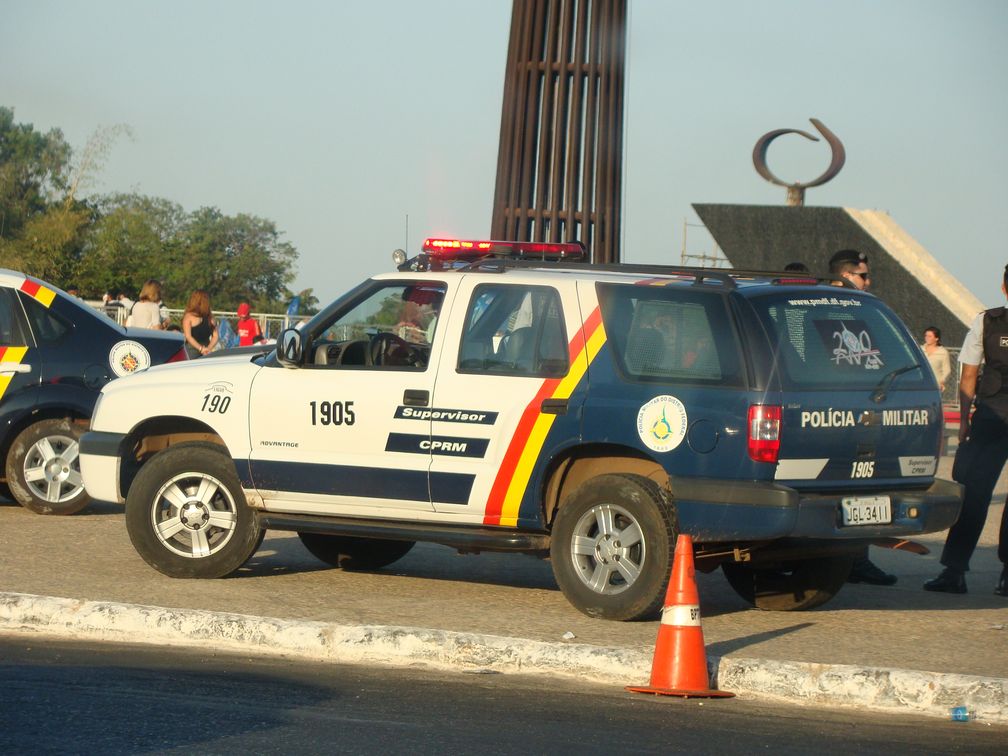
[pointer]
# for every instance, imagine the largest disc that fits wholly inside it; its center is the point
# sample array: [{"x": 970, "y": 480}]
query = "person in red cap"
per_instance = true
[{"x": 248, "y": 328}]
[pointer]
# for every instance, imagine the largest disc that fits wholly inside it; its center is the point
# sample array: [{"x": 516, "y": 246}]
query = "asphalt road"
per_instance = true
[
  {"x": 88, "y": 556},
  {"x": 87, "y": 698}
]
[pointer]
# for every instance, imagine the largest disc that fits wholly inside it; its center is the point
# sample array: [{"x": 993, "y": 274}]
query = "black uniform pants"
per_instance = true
[{"x": 978, "y": 464}]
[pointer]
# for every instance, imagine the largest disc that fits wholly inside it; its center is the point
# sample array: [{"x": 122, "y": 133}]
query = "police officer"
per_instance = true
[
  {"x": 852, "y": 265},
  {"x": 983, "y": 446}
]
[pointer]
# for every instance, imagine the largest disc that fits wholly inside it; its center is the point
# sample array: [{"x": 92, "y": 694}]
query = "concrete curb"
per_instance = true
[{"x": 888, "y": 690}]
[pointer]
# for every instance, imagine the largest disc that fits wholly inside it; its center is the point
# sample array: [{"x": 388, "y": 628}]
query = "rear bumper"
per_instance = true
[{"x": 718, "y": 511}]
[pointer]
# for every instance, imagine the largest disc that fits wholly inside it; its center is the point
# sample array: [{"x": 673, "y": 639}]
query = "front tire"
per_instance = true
[
  {"x": 612, "y": 547},
  {"x": 351, "y": 553},
  {"x": 789, "y": 586},
  {"x": 186, "y": 513},
  {"x": 43, "y": 468}
]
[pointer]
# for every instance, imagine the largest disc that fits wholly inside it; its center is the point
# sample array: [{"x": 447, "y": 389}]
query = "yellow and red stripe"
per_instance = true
[
  {"x": 10, "y": 354},
  {"x": 38, "y": 291},
  {"x": 530, "y": 435}
]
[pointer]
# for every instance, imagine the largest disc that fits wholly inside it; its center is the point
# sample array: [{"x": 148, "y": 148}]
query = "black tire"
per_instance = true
[
  {"x": 350, "y": 553},
  {"x": 794, "y": 585},
  {"x": 206, "y": 513},
  {"x": 43, "y": 468},
  {"x": 600, "y": 574}
]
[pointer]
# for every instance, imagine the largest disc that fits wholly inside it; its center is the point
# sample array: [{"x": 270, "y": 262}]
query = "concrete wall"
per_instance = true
[{"x": 904, "y": 274}]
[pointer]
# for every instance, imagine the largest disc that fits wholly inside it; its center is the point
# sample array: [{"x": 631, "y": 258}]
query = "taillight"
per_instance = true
[
  {"x": 764, "y": 432},
  {"x": 179, "y": 356}
]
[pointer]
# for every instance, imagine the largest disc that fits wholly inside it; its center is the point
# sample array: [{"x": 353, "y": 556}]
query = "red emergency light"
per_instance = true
[{"x": 459, "y": 249}]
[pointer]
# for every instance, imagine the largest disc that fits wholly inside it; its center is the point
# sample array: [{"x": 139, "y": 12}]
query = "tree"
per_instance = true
[
  {"x": 134, "y": 238},
  {"x": 33, "y": 172}
]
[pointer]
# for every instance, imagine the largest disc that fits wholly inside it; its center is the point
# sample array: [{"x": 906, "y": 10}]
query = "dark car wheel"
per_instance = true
[
  {"x": 790, "y": 585},
  {"x": 612, "y": 546},
  {"x": 350, "y": 553},
  {"x": 186, "y": 513},
  {"x": 43, "y": 468}
]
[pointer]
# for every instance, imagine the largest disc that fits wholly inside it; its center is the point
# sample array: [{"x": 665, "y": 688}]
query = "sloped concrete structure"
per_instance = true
[{"x": 904, "y": 274}]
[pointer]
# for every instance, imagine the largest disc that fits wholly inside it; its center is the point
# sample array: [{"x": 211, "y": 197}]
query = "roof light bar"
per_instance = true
[{"x": 460, "y": 249}]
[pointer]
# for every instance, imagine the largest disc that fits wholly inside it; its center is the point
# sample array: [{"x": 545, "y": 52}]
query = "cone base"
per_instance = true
[{"x": 709, "y": 693}]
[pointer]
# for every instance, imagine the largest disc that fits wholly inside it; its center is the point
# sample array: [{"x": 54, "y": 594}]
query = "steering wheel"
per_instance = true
[{"x": 385, "y": 345}]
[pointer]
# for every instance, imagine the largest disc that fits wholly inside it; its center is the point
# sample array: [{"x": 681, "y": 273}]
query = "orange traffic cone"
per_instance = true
[{"x": 680, "y": 663}]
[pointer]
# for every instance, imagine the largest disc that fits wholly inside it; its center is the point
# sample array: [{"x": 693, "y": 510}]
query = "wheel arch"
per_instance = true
[
  {"x": 154, "y": 434},
  {"x": 581, "y": 463}
]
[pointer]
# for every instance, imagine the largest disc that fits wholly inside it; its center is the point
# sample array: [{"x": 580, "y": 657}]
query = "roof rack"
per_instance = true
[{"x": 725, "y": 277}]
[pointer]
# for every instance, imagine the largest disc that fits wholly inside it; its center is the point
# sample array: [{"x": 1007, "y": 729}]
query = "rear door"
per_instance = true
[
  {"x": 20, "y": 368},
  {"x": 861, "y": 406},
  {"x": 505, "y": 396}
]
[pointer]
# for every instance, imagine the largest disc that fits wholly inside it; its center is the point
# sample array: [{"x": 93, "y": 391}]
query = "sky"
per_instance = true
[{"x": 358, "y": 128}]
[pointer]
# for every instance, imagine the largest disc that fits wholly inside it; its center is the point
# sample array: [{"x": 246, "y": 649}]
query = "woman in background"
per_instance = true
[
  {"x": 937, "y": 355},
  {"x": 198, "y": 325},
  {"x": 146, "y": 313}
]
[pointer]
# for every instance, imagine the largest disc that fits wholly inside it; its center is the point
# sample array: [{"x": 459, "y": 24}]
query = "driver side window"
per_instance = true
[{"x": 390, "y": 327}]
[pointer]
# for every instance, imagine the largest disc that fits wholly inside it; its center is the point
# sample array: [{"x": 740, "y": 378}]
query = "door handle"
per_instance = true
[
  {"x": 416, "y": 398},
  {"x": 554, "y": 406},
  {"x": 14, "y": 367}
]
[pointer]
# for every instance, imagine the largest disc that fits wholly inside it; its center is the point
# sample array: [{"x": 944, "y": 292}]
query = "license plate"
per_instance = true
[{"x": 866, "y": 510}]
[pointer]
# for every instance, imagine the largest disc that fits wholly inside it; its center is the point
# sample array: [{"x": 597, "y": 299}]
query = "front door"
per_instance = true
[{"x": 337, "y": 434}]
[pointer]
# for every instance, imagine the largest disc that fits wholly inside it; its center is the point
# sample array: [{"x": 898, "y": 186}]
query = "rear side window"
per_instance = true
[
  {"x": 47, "y": 326},
  {"x": 514, "y": 330},
  {"x": 11, "y": 333},
  {"x": 841, "y": 341},
  {"x": 669, "y": 334}
]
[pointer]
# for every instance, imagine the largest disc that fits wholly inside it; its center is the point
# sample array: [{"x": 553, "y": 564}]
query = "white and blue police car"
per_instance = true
[{"x": 508, "y": 396}]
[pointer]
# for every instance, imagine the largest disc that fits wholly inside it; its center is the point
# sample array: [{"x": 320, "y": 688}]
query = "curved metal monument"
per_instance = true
[{"x": 796, "y": 191}]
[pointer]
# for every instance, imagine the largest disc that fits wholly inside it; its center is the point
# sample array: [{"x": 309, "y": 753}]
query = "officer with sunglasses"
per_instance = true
[{"x": 851, "y": 265}]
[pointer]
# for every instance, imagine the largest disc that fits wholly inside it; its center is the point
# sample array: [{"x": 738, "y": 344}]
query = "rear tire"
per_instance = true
[
  {"x": 43, "y": 468},
  {"x": 612, "y": 547},
  {"x": 350, "y": 553},
  {"x": 186, "y": 513},
  {"x": 794, "y": 585}
]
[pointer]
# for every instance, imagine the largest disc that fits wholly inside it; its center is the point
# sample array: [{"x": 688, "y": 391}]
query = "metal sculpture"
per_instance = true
[
  {"x": 796, "y": 191},
  {"x": 559, "y": 165}
]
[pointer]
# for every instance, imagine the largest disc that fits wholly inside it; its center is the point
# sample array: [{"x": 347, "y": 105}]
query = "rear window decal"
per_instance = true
[
  {"x": 849, "y": 343},
  {"x": 661, "y": 423},
  {"x": 824, "y": 302}
]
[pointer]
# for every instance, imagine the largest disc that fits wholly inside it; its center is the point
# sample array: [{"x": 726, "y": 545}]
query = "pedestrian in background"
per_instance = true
[
  {"x": 983, "y": 446},
  {"x": 852, "y": 265},
  {"x": 248, "y": 329},
  {"x": 146, "y": 313},
  {"x": 198, "y": 325},
  {"x": 937, "y": 355}
]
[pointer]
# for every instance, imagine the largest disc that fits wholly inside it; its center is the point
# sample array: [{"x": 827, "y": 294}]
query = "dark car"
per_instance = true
[{"x": 56, "y": 354}]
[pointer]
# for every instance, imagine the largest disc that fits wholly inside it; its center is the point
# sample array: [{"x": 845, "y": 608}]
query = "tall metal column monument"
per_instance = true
[{"x": 559, "y": 166}]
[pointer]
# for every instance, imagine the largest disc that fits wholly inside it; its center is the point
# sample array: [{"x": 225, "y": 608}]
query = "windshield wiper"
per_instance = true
[{"x": 879, "y": 394}]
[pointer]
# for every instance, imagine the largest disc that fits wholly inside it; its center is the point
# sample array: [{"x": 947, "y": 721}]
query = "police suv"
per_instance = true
[
  {"x": 56, "y": 353},
  {"x": 507, "y": 396}
]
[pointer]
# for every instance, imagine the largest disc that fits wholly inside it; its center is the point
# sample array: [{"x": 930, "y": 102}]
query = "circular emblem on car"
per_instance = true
[
  {"x": 661, "y": 423},
  {"x": 128, "y": 357}
]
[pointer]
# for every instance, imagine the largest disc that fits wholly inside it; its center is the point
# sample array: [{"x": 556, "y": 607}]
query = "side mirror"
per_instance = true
[{"x": 290, "y": 348}]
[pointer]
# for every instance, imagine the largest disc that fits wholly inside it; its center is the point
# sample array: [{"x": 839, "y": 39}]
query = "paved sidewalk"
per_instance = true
[{"x": 896, "y": 648}]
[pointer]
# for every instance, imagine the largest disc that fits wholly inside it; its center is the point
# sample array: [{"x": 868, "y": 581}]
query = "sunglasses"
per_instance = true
[{"x": 864, "y": 276}]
